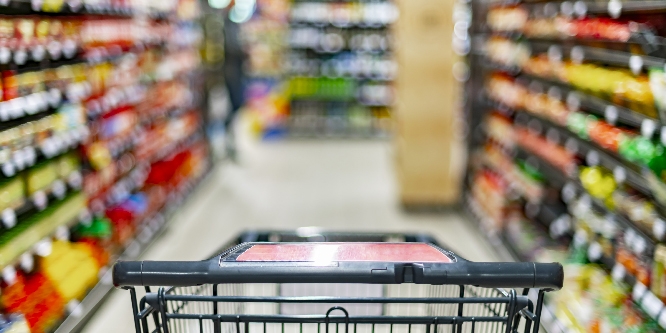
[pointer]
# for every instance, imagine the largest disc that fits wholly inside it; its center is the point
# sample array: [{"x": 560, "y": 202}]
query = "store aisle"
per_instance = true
[{"x": 336, "y": 185}]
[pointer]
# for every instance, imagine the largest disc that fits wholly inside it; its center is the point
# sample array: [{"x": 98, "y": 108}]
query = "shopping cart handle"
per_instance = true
[
  {"x": 463, "y": 272},
  {"x": 495, "y": 274},
  {"x": 160, "y": 273}
]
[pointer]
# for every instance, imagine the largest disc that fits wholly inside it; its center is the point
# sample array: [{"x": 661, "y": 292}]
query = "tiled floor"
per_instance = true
[{"x": 339, "y": 185}]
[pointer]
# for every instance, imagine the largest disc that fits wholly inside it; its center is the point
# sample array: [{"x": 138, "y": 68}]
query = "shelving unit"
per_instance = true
[
  {"x": 340, "y": 68},
  {"x": 101, "y": 138},
  {"x": 560, "y": 94}
]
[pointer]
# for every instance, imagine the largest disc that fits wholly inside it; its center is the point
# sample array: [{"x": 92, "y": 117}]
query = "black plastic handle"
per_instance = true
[
  {"x": 490, "y": 275},
  {"x": 495, "y": 274},
  {"x": 160, "y": 273}
]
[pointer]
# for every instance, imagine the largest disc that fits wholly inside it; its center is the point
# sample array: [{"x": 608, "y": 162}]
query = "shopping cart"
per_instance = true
[{"x": 284, "y": 282}]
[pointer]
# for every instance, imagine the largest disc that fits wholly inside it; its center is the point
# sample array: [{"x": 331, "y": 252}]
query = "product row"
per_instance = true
[
  {"x": 643, "y": 92},
  {"x": 344, "y": 14},
  {"x": 593, "y": 219},
  {"x": 36, "y": 38},
  {"x": 341, "y": 89},
  {"x": 627, "y": 143},
  {"x": 347, "y": 64},
  {"x": 50, "y": 280},
  {"x": 554, "y": 23},
  {"x": 337, "y": 120},
  {"x": 332, "y": 40}
]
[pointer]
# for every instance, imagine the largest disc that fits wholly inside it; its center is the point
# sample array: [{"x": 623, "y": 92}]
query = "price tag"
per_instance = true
[
  {"x": 57, "y": 144},
  {"x": 59, "y": 189},
  {"x": 43, "y": 100},
  {"x": 75, "y": 180},
  {"x": 8, "y": 218},
  {"x": 8, "y": 169},
  {"x": 30, "y": 155},
  {"x": 62, "y": 233},
  {"x": 553, "y": 136},
  {"x": 560, "y": 226},
  {"x": 555, "y": 53},
  {"x": 566, "y": 8},
  {"x": 618, "y": 273},
  {"x": 20, "y": 56},
  {"x": 662, "y": 319},
  {"x": 555, "y": 93},
  {"x": 54, "y": 97},
  {"x": 48, "y": 149},
  {"x": 9, "y": 275},
  {"x": 75, "y": 5},
  {"x": 85, "y": 217},
  {"x": 40, "y": 200},
  {"x": 36, "y": 5},
  {"x": 38, "y": 53},
  {"x": 636, "y": 64},
  {"x": 55, "y": 49},
  {"x": 577, "y": 53},
  {"x": 648, "y": 126},
  {"x": 651, "y": 304},
  {"x": 614, "y": 8},
  {"x": 535, "y": 126},
  {"x": 609, "y": 226},
  {"x": 659, "y": 229},
  {"x": 19, "y": 159},
  {"x": 594, "y": 252},
  {"x": 592, "y": 158},
  {"x": 69, "y": 48},
  {"x": 638, "y": 292},
  {"x": 571, "y": 145},
  {"x": 44, "y": 248},
  {"x": 27, "y": 262},
  {"x": 639, "y": 245},
  {"x": 4, "y": 111},
  {"x": 74, "y": 309},
  {"x": 580, "y": 9},
  {"x": 620, "y": 174},
  {"x": 5, "y": 55},
  {"x": 611, "y": 114}
]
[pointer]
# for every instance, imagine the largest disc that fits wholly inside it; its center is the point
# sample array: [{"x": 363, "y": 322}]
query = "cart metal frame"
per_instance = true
[{"x": 251, "y": 300}]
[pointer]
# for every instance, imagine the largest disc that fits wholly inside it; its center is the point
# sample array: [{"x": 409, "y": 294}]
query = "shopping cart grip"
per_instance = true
[
  {"x": 497, "y": 275},
  {"x": 160, "y": 273}
]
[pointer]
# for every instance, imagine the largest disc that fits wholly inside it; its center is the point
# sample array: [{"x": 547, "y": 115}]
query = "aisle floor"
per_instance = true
[{"x": 338, "y": 185}]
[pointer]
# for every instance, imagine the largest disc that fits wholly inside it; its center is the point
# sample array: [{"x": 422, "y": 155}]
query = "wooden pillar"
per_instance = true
[{"x": 428, "y": 125}]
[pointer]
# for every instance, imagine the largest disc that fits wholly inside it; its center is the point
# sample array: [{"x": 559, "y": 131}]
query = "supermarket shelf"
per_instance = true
[
  {"x": 70, "y": 7},
  {"x": 573, "y": 188},
  {"x": 326, "y": 24},
  {"x": 319, "y": 51},
  {"x": 338, "y": 136},
  {"x": 613, "y": 8},
  {"x": 656, "y": 43},
  {"x": 52, "y": 147},
  {"x": 348, "y": 77},
  {"x": 65, "y": 213},
  {"x": 578, "y": 53},
  {"x": 151, "y": 229},
  {"x": 589, "y": 151},
  {"x": 642, "y": 297},
  {"x": 610, "y": 112}
]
